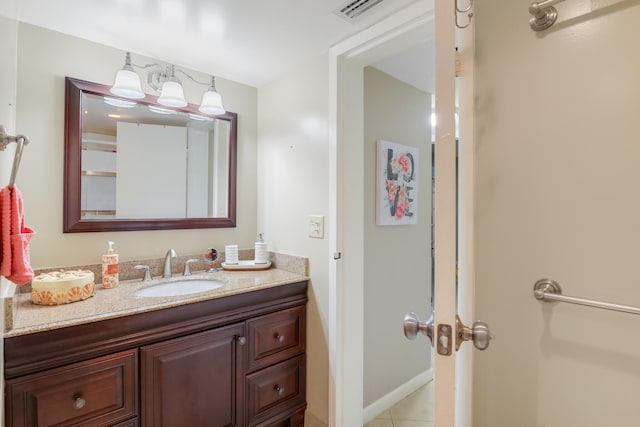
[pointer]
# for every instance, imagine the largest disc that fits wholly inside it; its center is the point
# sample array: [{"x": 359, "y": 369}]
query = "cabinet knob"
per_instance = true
[
  {"x": 280, "y": 338},
  {"x": 242, "y": 340},
  {"x": 79, "y": 403},
  {"x": 278, "y": 389}
]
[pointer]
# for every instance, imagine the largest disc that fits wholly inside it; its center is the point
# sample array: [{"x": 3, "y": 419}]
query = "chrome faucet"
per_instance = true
[
  {"x": 187, "y": 269},
  {"x": 147, "y": 272},
  {"x": 167, "y": 263}
]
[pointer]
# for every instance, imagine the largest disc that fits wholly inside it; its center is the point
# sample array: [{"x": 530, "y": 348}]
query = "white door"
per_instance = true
[
  {"x": 453, "y": 219},
  {"x": 453, "y": 224},
  {"x": 347, "y": 233}
]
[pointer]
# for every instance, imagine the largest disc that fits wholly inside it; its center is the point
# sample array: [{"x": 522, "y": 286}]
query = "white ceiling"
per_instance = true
[{"x": 248, "y": 41}]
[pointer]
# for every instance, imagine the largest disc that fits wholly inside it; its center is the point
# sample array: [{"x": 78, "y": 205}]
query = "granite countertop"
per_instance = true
[{"x": 121, "y": 301}]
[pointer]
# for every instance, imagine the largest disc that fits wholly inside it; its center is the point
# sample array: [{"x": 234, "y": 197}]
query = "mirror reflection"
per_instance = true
[
  {"x": 141, "y": 161},
  {"x": 143, "y": 166}
]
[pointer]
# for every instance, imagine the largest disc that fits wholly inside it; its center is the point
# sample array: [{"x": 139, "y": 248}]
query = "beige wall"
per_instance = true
[
  {"x": 292, "y": 184},
  {"x": 44, "y": 59},
  {"x": 9, "y": 47},
  {"x": 558, "y": 149},
  {"x": 397, "y": 258}
]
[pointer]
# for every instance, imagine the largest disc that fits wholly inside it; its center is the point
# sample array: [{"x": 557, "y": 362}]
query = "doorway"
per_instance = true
[
  {"x": 397, "y": 255},
  {"x": 369, "y": 248}
]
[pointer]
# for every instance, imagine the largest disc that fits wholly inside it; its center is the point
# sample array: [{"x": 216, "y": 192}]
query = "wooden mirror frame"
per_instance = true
[{"x": 72, "y": 221}]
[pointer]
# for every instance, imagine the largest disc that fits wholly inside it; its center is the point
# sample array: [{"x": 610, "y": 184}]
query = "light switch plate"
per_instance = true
[{"x": 316, "y": 226}]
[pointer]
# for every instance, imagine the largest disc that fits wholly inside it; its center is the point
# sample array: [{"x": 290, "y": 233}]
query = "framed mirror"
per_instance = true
[{"x": 141, "y": 166}]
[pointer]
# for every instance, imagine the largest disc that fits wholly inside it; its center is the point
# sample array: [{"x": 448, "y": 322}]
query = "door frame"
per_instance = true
[
  {"x": 465, "y": 90},
  {"x": 346, "y": 285}
]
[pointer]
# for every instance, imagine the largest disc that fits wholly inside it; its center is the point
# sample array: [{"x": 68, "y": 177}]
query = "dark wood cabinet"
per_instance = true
[
  {"x": 272, "y": 389},
  {"x": 192, "y": 380},
  {"x": 130, "y": 423},
  {"x": 95, "y": 392},
  {"x": 236, "y": 361},
  {"x": 275, "y": 337},
  {"x": 276, "y": 376}
]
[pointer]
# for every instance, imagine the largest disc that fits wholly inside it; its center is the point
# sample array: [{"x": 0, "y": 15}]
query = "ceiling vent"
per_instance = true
[{"x": 353, "y": 9}]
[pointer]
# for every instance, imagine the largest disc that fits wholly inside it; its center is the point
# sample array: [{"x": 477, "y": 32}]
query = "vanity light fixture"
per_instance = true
[
  {"x": 211, "y": 100},
  {"x": 127, "y": 82},
  {"x": 164, "y": 80},
  {"x": 171, "y": 94}
]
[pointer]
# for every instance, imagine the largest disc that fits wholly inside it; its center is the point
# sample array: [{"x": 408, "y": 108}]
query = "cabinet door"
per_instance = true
[{"x": 194, "y": 380}]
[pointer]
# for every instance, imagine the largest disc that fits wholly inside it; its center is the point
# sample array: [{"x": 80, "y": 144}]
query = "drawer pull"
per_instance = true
[
  {"x": 242, "y": 340},
  {"x": 278, "y": 389},
  {"x": 280, "y": 338},
  {"x": 79, "y": 403}
]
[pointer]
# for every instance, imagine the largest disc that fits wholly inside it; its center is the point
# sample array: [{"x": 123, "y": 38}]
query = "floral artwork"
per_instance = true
[{"x": 397, "y": 184}]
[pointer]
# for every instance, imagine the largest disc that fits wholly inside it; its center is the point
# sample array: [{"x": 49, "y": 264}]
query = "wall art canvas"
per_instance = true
[{"x": 397, "y": 184}]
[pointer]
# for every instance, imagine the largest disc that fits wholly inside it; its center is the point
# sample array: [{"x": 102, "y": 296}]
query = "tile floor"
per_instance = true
[{"x": 415, "y": 410}]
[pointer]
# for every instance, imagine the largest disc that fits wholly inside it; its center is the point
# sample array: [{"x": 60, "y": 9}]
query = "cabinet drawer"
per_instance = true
[
  {"x": 276, "y": 337},
  {"x": 274, "y": 389},
  {"x": 95, "y": 392}
]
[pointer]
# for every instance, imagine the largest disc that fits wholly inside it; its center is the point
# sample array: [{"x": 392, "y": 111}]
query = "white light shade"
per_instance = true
[
  {"x": 211, "y": 103},
  {"x": 172, "y": 95},
  {"x": 127, "y": 85}
]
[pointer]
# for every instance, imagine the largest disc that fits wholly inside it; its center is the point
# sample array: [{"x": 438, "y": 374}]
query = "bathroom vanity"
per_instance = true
[{"x": 231, "y": 357}]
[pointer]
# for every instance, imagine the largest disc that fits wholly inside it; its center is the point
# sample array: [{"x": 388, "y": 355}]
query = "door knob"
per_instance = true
[
  {"x": 479, "y": 333},
  {"x": 413, "y": 326}
]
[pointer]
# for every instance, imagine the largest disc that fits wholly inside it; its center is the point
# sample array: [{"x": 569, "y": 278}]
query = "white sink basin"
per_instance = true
[{"x": 181, "y": 287}]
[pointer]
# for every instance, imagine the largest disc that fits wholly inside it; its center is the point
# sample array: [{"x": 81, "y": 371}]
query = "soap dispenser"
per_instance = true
[
  {"x": 261, "y": 254},
  {"x": 110, "y": 268}
]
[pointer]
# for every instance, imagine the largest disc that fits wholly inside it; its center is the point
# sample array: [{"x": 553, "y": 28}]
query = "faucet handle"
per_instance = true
[
  {"x": 147, "y": 272},
  {"x": 187, "y": 271}
]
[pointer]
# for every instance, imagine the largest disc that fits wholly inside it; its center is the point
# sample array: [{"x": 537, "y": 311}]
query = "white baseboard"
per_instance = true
[{"x": 395, "y": 396}]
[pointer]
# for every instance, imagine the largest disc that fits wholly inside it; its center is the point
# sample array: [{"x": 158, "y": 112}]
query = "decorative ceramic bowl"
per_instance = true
[{"x": 62, "y": 287}]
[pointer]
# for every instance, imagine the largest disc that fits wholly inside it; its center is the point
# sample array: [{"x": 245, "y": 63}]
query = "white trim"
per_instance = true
[
  {"x": 335, "y": 245},
  {"x": 466, "y": 234},
  {"x": 396, "y": 395},
  {"x": 7, "y": 288}
]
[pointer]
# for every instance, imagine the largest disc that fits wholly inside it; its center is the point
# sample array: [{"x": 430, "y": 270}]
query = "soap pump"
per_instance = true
[
  {"x": 110, "y": 268},
  {"x": 260, "y": 251}
]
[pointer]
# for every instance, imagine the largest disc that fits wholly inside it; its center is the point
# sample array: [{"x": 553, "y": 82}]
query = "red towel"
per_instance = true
[{"x": 15, "y": 264}]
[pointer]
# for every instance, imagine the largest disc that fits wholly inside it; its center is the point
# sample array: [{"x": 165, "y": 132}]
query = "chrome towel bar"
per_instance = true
[
  {"x": 21, "y": 141},
  {"x": 543, "y": 14},
  {"x": 549, "y": 290}
]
